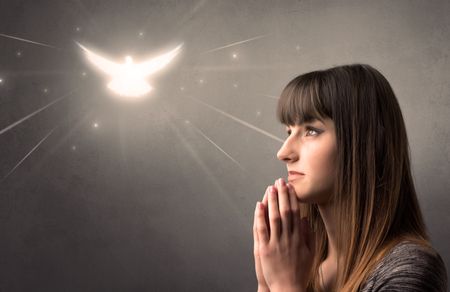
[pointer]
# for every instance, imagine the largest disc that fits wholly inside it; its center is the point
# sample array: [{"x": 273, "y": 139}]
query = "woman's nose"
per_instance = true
[{"x": 285, "y": 153}]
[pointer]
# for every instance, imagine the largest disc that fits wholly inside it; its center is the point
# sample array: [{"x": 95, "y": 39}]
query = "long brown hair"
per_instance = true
[{"x": 375, "y": 200}]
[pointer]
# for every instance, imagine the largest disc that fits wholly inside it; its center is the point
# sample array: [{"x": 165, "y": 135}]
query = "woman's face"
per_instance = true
[{"x": 311, "y": 149}]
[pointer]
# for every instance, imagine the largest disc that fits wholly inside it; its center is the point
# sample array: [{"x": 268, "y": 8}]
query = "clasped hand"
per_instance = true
[{"x": 283, "y": 242}]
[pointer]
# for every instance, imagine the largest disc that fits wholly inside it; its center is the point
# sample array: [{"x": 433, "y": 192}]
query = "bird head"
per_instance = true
[{"x": 128, "y": 60}]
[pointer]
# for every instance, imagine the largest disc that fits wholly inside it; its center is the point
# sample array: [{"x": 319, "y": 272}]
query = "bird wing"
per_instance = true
[
  {"x": 101, "y": 63},
  {"x": 148, "y": 67}
]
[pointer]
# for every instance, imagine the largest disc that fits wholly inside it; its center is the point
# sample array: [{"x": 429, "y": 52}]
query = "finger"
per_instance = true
[
  {"x": 256, "y": 253},
  {"x": 265, "y": 198},
  {"x": 266, "y": 205},
  {"x": 255, "y": 233},
  {"x": 294, "y": 207},
  {"x": 285, "y": 208},
  {"x": 263, "y": 233},
  {"x": 274, "y": 215}
]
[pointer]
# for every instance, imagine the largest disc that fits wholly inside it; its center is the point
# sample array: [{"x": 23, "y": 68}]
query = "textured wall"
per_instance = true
[{"x": 145, "y": 201}]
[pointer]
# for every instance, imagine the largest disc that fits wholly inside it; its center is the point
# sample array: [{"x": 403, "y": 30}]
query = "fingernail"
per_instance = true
[{"x": 282, "y": 182}]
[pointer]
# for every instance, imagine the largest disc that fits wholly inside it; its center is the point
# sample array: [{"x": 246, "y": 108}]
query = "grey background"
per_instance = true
[{"x": 149, "y": 202}]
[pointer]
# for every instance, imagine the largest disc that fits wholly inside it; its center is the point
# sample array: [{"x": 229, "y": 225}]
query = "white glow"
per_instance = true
[
  {"x": 95, "y": 125},
  {"x": 234, "y": 56},
  {"x": 128, "y": 78},
  {"x": 1, "y": 81}
]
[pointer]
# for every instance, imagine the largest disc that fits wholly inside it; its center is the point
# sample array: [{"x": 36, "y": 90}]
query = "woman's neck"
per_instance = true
[
  {"x": 326, "y": 212},
  {"x": 328, "y": 270}
]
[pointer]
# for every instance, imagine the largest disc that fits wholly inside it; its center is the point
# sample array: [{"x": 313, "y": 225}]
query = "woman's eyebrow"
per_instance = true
[{"x": 308, "y": 123}]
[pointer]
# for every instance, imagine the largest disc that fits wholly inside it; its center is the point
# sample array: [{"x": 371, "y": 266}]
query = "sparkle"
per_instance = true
[
  {"x": 74, "y": 147},
  {"x": 45, "y": 90},
  {"x": 1, "y": 81},
  {"x": 95, "y": 125},
  {"x": 235, "y": 56},
  {"x": 201, "y": 81},
  {"x": 297, "y": 48},
  {"x": 181, "y": 88},
  {"x": 19, "y": 54},
  {"x": 83, "y": 74},
  {"x": 187, "y": 122},
  {"x": 258, "y": 113},
  {"x": 235, "y": 85},
  {"x": 141, "y": 34},
  {"x": 78, "y": 28}
]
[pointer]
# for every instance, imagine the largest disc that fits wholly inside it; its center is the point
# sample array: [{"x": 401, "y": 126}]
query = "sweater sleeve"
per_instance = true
[{"x": 409, "y": 267}]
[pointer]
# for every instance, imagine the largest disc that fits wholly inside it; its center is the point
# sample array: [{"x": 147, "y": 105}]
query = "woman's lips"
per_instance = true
[{"x": 295, "y": 176}]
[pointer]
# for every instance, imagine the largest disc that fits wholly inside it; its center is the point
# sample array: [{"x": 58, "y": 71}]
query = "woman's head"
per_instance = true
[
  {"x": 310, "y": 149},
  {"x": 361, "y": 164}
]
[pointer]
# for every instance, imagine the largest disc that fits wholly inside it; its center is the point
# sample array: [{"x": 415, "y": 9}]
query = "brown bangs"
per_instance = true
[{"x": 300, "y": 101}]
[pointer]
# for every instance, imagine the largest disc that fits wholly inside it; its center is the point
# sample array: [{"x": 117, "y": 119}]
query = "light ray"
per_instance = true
[
  {"x": 190, "y": 15},
  {"x": 37, "y": 73},
  {"x": 217, "y": 146},
  {"x": 28, "y": 154},
  {"x": 240, "y": 121},
  {"x": 212, "y": 142},
  {"x": 208, "y": 172},
  {"x": 61, "y": 141},
  {"x": 33, "y": 113},
  {"x": 236, "y": 43},
  {"x": 271, "y": 96},
  {"x": 28, "y": 41},
  {"x": 234, "y": 68}
]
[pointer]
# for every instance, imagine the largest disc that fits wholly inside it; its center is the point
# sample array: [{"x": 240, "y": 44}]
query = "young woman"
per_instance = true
[{"x": 349, "y": 218}]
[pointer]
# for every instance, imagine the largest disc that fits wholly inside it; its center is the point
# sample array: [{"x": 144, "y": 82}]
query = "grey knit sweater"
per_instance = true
[{"x": 408, "y": 267}]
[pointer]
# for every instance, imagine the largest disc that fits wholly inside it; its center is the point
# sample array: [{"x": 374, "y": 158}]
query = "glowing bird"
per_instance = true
[{"x": 129, "y": 78}]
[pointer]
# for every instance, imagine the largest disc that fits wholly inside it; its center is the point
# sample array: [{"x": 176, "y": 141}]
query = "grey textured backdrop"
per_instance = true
[{"x": 160, "y": 195}]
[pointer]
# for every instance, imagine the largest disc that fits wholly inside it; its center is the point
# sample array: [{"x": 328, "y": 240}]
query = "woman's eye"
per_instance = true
[
  {"x": 312, "y": 130},
  {"x": 309, "y": 131}
]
